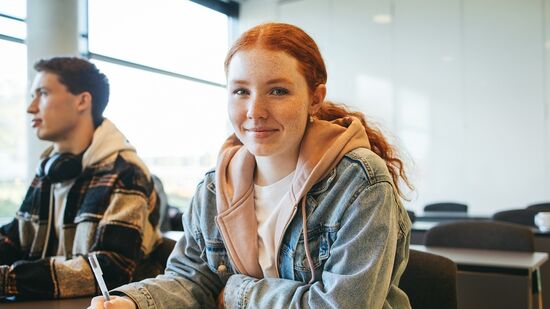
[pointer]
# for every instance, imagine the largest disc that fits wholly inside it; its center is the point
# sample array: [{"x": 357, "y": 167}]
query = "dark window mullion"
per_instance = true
[
  {"x": 229, "y": 8},
  {"x": 11, "y": 38}
]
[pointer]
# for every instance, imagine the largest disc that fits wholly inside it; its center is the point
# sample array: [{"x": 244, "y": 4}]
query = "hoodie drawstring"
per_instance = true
[{"x": 306, "y": 244}]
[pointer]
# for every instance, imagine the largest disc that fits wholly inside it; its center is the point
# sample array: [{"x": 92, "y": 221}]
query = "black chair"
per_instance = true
[
  {"x": 162, "y": 202},
  {"x": 174, "y": 215},
  {"x": 481, "y": 234},
  {"x": 169, "y": 216},
  {"x": 518, "y": 216},
  {"x": 446, "y": 206},
  {"x": 540, "y": 207},
  {"x": 430, "y": 281},
  {"x": 412, "y": 215}
]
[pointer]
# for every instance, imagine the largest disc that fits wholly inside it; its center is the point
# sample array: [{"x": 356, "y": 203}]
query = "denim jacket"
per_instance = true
[{"x": 358, "y": 237}]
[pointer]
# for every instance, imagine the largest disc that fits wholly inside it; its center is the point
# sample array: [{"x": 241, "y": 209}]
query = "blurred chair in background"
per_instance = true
[
  {"x": 170, "y": 216},
  {"x": 430, "y": 281},
  {"x": 540, "y": 207},
  {"x": 412, "y": 216},
  {"x": 517, "y": 216},
  {"x": 446, "y": 206},
  {"x": 174, "y": 215},
  {"x": 481, "y": 234}
]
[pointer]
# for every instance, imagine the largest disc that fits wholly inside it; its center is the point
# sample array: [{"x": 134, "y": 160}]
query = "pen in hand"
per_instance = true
[{"x": 98, "y": 276}]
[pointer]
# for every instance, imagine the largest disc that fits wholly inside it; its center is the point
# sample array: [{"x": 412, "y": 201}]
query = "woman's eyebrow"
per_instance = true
[
  {"x": 238, "y": 81},
  {"x": 269, "y": 82},
  {"x": 279, "y": 80}
]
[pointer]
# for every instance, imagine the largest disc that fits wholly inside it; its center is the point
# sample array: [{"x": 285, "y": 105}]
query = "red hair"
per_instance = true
[{"x": 298, "y": 44}]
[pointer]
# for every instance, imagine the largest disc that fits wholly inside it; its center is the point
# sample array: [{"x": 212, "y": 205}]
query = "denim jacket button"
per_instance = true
[{"x": 222, "y": 268}]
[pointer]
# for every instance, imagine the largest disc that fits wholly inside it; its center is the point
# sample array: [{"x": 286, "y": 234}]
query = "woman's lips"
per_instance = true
[{"x": 261, "y": 132}]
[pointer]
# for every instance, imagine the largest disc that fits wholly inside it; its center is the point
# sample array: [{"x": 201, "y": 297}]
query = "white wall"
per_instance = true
[{"x": 462, "y": 84}]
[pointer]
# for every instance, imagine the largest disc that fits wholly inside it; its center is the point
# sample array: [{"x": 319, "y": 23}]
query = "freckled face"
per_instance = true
[
  {"x": 268, "y": 102},
  {"x": 53, "y": 108}
]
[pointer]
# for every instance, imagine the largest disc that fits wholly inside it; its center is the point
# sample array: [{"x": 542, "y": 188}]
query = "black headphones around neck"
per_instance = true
[{"x": 60, "y": 167}]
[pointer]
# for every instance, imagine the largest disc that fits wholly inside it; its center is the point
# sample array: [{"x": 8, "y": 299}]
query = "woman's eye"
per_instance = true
[
  {"x": 240, "y": 91},
  {"x": 279, "y": 91}
]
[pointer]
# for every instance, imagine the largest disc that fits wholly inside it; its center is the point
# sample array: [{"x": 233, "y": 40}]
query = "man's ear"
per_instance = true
[
  {"x": 84, "y": 101},
  {"x": 318, "y": 97}
]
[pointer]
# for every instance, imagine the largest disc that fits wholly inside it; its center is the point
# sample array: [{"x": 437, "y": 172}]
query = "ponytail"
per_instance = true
[{"x": 330, "y": 111}]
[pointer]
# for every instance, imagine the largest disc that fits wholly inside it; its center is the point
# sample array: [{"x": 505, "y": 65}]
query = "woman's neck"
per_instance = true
[{"x": 274, "y": 168}]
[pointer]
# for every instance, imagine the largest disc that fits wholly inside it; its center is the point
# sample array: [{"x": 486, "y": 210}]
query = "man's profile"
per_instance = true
[{"x": 91, "y": 193}]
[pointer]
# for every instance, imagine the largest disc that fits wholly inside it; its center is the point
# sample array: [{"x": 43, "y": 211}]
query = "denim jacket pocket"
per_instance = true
[
  {"x": 216, "y": 256},
  {"x": 319, "y": 242}
]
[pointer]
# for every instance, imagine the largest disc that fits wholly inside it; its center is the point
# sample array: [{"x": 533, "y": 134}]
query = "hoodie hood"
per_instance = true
[
  {"x": 106, "y": 141},
  {"x": 323, "y": 146}
]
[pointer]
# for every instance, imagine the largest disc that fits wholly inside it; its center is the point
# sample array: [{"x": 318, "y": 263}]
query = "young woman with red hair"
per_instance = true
[{"x": 303, "y": 208}]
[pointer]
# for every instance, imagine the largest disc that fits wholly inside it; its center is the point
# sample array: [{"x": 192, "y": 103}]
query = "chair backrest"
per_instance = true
[
  {"x": 540, "y": 207},
  {"x": 430, "y": 281},
  {"x": 169, "y": 216},
  {"x": 519, "y": 216},
  {"x": 412, "y": 215},
  {"x": 162, "y": 200},
  {"x": 481, "y": 234},
  {"x": 446, "y": 206}
]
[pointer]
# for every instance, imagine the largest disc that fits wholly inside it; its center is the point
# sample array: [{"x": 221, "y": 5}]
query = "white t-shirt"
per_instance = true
[
  {"x": 267, "y": 200},
  {"x": 61, "y": 191}
]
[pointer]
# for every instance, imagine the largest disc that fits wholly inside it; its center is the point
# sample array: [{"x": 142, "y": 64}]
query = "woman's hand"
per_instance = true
[{"x": 116, "y": 302}]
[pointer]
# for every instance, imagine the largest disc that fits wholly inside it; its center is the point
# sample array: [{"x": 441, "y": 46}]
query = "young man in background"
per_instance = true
[{"x": 91, "y": 194}]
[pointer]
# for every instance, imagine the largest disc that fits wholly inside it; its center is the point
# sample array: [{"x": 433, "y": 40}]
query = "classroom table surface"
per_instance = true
[
  {"x": 492, "y": 259},
  {"x": 69, "y": 303},
  {"x": 423, "y": 226}
]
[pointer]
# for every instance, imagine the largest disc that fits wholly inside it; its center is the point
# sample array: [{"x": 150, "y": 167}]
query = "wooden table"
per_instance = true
[
  {"x": 70, "y": 303},
  {"x": 513, "y": 278}
]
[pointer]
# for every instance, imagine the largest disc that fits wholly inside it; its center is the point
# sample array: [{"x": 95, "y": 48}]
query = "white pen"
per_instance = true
[{"x": 98, "y": 276}]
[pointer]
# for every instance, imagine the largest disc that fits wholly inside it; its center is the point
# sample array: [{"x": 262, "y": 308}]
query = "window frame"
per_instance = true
[{"x": 9, "y": 37}]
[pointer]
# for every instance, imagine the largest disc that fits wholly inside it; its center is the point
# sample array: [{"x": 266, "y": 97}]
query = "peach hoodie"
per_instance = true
[{"x": 323, "y": 146}]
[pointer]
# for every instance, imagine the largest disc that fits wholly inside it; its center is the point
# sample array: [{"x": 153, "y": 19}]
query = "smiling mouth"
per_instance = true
[
  {"x": 254, "y": 130},
  {"x": 261, "y": 132}
]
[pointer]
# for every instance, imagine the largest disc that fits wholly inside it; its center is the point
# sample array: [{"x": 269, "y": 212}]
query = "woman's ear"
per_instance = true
[{"x": 318, "y": 97}]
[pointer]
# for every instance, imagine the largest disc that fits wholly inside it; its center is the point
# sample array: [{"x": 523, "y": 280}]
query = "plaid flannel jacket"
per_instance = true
[{"x": 111, "y": 210}]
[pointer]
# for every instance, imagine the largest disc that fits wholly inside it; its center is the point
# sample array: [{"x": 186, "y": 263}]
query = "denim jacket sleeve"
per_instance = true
[
  {"x": 363, "y": 268},
  {"x": 188, "y": 282}
]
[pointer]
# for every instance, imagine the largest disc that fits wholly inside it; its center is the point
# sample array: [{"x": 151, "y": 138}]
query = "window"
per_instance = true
[
  {"x": 13, "y": 79},
  {"x": 164, "y": 61},
  {"x": 177, "y": 126},
  {"x": 174, "y": 35}
]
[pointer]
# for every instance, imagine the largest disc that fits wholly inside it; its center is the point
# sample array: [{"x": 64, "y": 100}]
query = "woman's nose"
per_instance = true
[{"x": 256, "y": 108}]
